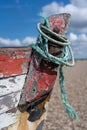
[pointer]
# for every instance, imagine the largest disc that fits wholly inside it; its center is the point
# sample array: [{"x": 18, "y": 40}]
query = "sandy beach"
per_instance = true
[{"x": 76, "y": 88}]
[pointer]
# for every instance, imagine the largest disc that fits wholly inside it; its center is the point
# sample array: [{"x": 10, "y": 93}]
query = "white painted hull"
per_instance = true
[
  {"x": 14, "y": 64},
  {"x": 10, "y": 92}
]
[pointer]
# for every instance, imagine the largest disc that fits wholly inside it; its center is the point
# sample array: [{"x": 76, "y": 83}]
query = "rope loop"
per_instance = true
[{"x": 61, "y": 40}]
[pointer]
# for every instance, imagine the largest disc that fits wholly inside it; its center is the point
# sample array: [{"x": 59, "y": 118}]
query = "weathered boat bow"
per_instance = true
[{"x": 27, "y": 75}]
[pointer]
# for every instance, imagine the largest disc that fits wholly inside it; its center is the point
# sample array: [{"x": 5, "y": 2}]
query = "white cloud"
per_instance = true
[
  {"x": 17, "y": 42},
  {"x": 77, "y": 9},
  {"x": 29, "y": 40},
  {"x": 79, "y": 44},
  {"x": 73, "y": 37},
  {"x": 81, "y": 38},
  {"x": 9, "y": 42},
  {"x": 50, "y": 9}
]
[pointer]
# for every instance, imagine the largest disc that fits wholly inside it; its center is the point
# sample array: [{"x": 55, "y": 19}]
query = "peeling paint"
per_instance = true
[
  {"x": 9, "y": 101},
  {"x": 43, "y": 79},
  {"x": 14, "y": 62},
  {"x": 11, "y": 84},
  {"x": 6, "y": 119}
]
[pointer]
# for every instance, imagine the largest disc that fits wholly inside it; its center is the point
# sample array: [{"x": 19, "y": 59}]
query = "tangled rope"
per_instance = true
[{"x": 42, "y": 48}]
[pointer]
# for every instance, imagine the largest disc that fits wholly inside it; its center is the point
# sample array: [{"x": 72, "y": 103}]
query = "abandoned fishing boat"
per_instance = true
[{"x": 27, "y": 75}]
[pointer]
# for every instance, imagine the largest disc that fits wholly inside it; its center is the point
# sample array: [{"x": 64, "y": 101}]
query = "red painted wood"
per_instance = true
[
  {"x": 42, "y": 81},
  {"x": 46, "y": 80},
  {"x": 59, "y": 22},
  {"x": 14, "y": 61},
  {"x": 43, "y": 78}
]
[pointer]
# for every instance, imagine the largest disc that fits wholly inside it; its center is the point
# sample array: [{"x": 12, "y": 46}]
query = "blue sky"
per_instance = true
[
  {"x": 18, "y": 20},
  {"x": 19, "y": 17}
]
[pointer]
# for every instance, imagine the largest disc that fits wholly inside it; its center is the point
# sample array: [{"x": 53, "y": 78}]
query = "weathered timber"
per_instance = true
[
  {"x": 11, "y": 84},
  {"x": 39, "y": 80},
  {"x": 8, "y": 118},
  {"x": 14, "y": 61},
  {"x": 9, "y": 101}
]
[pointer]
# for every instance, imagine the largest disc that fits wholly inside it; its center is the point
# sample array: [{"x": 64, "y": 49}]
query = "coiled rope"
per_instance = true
[{"x": 42, "y": 48}]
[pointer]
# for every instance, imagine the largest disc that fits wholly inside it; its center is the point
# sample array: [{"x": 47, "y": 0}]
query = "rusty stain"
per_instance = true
[{"x": 23, "y": 124}]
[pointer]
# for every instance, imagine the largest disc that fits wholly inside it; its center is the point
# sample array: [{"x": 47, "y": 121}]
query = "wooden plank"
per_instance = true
[
  {"x": 9, "y": 102},
  {"x": 14, "y": 61},
  {"x": 12, "y": 84},
  {"x": 9, "y": 118}
]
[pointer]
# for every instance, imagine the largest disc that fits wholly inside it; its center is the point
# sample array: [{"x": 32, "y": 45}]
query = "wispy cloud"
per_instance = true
[
  {"x": 29, "y": 40},
  {"x": 9, "y": 42},
  {"x": 81, "y": 38},
  {"x": 79, "y": 44},
  {"x": 16, "y": 42}
]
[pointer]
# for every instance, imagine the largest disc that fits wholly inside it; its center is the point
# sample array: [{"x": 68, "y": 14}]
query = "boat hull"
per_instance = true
[
  {"x": 27, "y": 80},
  {"x": 14, "y": 65}
]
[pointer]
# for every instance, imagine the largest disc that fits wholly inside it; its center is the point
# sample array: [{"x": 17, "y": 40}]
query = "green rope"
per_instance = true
[
  {"x": 52, "y": 58},
  {"x": 42, "y": 48},
  {"x": 63, "y": 40},
  {"x": 71, "y": 112}
]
